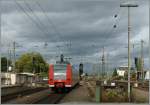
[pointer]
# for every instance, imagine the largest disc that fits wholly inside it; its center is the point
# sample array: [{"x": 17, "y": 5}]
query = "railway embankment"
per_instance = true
[{"x": 140, "y": 95}]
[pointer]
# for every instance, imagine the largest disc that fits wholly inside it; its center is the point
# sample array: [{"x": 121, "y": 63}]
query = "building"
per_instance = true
[
  {"x": 19, "y": 78},
  {"x": 147, "y": 74},
  {"x": 122, "y": 70}
]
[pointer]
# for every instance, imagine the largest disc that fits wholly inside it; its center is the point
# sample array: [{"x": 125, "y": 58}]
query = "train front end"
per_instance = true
[{"x": 60, "y": 77}]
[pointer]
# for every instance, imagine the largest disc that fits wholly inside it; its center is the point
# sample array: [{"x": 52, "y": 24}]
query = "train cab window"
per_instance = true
[{"x": 61, "y": 68}]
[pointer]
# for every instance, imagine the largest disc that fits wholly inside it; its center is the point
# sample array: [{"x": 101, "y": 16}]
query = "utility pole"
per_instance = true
[
  {"x": 7, "y": 65},
  {"x": 7, "y": 58},
  {"x": 134, "y": 61},
  {"x": 33, "y": 64},
  {"x": 99, "y": 68},
  {"x": 70, "y": 46},
  {"x": 103, "y": 63},
  {"x": 10, "y": 56},
  {"x": 142, "y": 61},
  {"x": 129, "y": 29},
  {"x": 149, "y": 50},
  {"x": 14, "y": 48},
  {"x": 107, "y": 63}
]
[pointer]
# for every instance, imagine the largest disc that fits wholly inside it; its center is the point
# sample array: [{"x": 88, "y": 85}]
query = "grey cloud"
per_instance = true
[{"x": 87, "y": 24}]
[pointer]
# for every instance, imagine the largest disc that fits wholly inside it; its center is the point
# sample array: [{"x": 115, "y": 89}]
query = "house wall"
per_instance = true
[
  {"x": 147, "y": 75},
  {"x": 13, "y": 79},
  {"x": 18, "y": 79},
  {"x": 120, "y": 72}
]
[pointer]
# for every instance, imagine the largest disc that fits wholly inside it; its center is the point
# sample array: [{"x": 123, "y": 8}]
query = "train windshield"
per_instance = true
[{"x": 60, "y": 68}]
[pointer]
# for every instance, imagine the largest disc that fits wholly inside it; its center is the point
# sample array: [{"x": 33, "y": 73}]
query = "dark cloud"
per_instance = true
[{"x": 88, "y": 25}]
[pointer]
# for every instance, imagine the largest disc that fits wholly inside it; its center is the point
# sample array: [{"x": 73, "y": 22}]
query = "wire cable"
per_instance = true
[
  {"x": 34, "y": 21},
  {"x": 28, "y": 6},
  {"x": 58, "y": 34}
]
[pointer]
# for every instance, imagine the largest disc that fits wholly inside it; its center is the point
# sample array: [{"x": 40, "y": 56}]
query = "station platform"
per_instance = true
[{"x": 9, "y": 86}]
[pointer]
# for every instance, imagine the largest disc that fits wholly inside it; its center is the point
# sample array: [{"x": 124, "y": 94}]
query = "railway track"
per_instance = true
[
  {"x": 54, "y": 98},
  {"x": 37, "y": 96},
  {"x": 12, "y": 96}
]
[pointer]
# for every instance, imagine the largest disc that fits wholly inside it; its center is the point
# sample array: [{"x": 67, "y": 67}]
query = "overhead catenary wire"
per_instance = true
[
  {"x": 43, "y": 26},
  {"x": 114, "y": 26},
  {"x": 34, "y": 21},
  {"x": 49, "y": 20},
  {"x": 58, "y": 34},
  {"x": 110, "y": 30},
  {"x": 37, "y": 18},
  {"x": 117, "y": 20},
  {"x": 31, "y": 19}
]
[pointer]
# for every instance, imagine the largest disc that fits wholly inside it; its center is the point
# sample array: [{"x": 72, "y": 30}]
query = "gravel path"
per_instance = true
[
  {"x": 140, "y": 95},
  {"x": 78, "y": 95}
]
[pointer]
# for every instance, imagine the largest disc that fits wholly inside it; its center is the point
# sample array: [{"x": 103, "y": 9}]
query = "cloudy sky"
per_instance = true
[{"x": 77, "y": 28}]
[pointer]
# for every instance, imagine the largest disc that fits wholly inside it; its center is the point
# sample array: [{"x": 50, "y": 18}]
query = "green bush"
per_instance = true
[{"x": 111, "y": 95}]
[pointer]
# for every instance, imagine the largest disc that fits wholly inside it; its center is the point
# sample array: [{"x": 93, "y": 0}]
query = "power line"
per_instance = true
[
  {"x": 49, "y": 20},
  {"x": 142, "y": 61},
  {"x": 36, "y": 23},
  {"x": 39, "y": 25},
  {"x": 58, "y": 34},
  {"x": 111, "y": 29},
  {"x": 28, "y": 6}
]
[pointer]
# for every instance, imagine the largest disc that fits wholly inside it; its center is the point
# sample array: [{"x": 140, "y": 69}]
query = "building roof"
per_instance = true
[{"x": 124, "y": 68}]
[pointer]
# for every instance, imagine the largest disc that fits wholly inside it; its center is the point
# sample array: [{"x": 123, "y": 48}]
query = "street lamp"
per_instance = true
[{"x": 129, "y": 29}]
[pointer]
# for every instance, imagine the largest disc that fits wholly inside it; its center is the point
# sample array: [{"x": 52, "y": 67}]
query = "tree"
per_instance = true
[
  {"x": 138, "y": 63},
  {"x": 115, "y": 73},
  {"x": 133, "y": 76},
  {"x": 86, "y": 74},
  {"x": 126, "y": 75},
  {"x": 31, "y": 62},
  {"x": 4, "y": 64}
]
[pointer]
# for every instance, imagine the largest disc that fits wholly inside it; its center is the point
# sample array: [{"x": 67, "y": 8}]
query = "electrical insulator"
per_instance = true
[
  {"x": 115, "y": 16},
  {"x": 115, "y": 26}
]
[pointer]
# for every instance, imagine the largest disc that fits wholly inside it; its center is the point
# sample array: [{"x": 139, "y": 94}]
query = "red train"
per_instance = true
[{"x": 62, "y": 76}]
